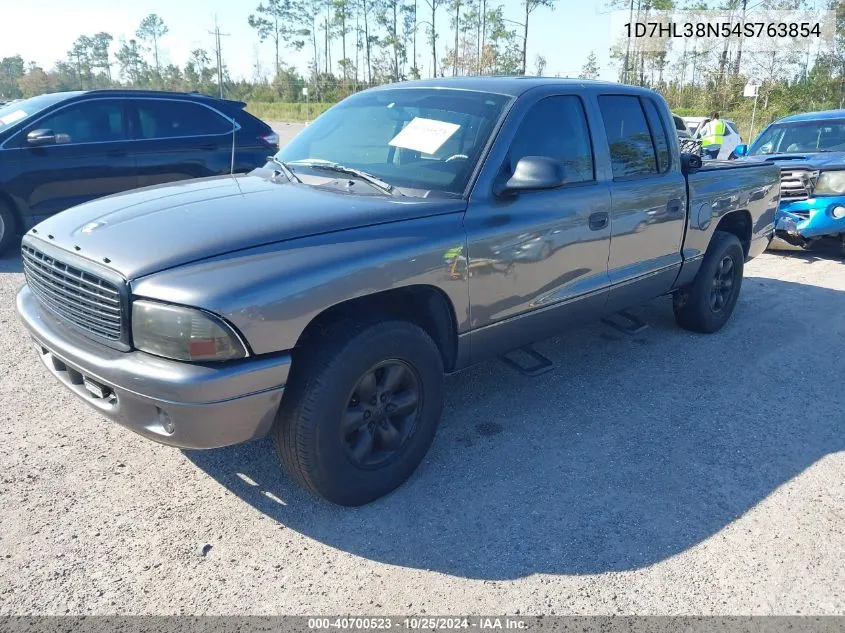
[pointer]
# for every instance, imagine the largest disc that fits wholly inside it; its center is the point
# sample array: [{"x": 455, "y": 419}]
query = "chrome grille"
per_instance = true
[
  {"x": 797, "y": 184},
  {"x": 87, "y": 301}
]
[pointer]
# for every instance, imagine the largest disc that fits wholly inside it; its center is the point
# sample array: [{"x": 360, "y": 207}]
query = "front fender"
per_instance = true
[{"x": 271, "y": 293}]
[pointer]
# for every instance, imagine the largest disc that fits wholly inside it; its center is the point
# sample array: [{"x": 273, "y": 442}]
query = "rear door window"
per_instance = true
[
  {"x": 161, "y": 118},
  {"x": 632, "y": 152},
  {"x": 95, "y": 121},
  {"x": 658, "y": 135}
]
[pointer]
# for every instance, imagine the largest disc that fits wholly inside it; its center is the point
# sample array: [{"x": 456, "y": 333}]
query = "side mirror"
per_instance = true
[
  {"x": 741, "y": 149},
  {"x": 41, "y": 137},
  {"x": 690, "y": 162},
  {"x": 533, "y": 173}
]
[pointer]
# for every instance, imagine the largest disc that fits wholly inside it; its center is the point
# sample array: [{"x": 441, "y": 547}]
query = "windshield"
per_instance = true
[
  {"x": 16, "y": 112},
  {"x": 804, "y": 136},
  {"x": 412, "y": 138}
]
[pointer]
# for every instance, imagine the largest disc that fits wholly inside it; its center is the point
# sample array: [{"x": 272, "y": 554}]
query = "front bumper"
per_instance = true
[
  {"x": 180, "y": 404},
  {"x": 809, "y": 218}
]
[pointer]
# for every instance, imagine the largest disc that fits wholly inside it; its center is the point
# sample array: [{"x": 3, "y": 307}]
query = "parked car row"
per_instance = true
[
  {"x": 308, "y": 299},
  {"x": 63, "y": 149}
]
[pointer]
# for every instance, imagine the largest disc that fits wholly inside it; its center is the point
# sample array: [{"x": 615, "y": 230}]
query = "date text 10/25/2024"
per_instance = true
[{"x": 427, "y": 623}]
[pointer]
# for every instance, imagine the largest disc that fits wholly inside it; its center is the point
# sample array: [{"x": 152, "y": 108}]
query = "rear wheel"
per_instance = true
[
  {"x": 360, "y": 410},
  {"x": 8, "y": 227},
  {"x": 707, "y": 304}
]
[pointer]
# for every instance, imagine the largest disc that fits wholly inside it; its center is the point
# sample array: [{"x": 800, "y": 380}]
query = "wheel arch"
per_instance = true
[
  {"x": 424, "y": 305},
  {"x": 737, "y": 223}
]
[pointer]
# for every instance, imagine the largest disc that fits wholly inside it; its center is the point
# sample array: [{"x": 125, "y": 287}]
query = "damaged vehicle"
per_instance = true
[
  {"x": 810, "y": 151},
  {"x": 410, "y": 231}
]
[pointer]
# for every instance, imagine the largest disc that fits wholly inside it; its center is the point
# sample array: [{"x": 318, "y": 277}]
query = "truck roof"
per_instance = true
[
  {"x": 813, "y": 116},
  {"x": 511, "y": 85}
]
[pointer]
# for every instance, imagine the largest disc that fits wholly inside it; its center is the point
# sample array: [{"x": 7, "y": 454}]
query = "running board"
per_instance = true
[
  {"x": 541, "y": 363},
  {"x": 629, "y": 324}
]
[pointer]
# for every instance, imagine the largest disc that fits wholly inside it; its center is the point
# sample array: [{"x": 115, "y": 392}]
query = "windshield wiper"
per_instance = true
[
  {"x": 316, "y": 163},
  {"x": 287, "y": 171}
]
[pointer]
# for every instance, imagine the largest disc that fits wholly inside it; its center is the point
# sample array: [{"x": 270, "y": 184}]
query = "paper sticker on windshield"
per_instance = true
[
  {"x": 10, "y": 118},
  {"x": 424, "y": 135}
]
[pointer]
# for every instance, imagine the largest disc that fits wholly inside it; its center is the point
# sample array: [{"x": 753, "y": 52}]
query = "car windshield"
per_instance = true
[
  {"x": 804, "y": 136},
  {"x": 421, "y": 140},
  {"x": 13, "y": 113}
]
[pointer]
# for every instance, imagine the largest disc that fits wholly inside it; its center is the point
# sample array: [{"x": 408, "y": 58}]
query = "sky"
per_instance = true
[{"x": 565, "y": 36}]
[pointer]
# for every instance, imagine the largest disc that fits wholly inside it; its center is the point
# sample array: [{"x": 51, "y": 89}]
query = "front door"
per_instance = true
[
  {"x": 544, "y": 253},
  {"x": 649, "y": 201},
  {"x": 88, "y": 160}
]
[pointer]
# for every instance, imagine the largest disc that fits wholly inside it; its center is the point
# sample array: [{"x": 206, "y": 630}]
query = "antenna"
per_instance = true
[
  {"x": 234, "y": 130},
  {"x": 219, "y": 53}
]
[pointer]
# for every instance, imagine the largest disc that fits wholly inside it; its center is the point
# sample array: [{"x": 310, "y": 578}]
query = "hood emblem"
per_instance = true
[{"x": 91, "y": 226}]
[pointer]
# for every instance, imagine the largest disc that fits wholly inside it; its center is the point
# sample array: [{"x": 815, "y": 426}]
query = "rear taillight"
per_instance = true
[{"x": 270, "y": 140}]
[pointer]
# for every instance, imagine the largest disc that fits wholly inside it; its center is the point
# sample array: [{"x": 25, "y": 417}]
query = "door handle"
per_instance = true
[
  {"x": 210, "y": 148},
  {"x": 674, "y": 206},
  {"x": 598, "y": 221},
  {"x": 117, "y": 153}
]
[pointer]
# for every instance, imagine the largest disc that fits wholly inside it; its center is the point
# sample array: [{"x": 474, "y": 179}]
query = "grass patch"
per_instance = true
[{"x": 292, "y": 112}]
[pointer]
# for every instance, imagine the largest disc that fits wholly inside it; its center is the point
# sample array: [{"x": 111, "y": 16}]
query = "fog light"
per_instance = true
[
  {"x": 837, "y": 212},
  {"x": 166, "y": 422}
]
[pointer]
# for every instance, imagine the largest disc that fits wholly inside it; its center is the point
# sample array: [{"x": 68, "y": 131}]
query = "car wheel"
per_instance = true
[
  {"x": 8, "y": 228},
  {"x": 360, "y": 410},
  {"x": 707, "y": 304}
]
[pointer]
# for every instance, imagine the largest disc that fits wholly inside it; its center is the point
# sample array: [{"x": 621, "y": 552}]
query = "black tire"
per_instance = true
[
  {"x": 323, "y": 391},
  {"x": 695, "y": 307},
  {"x": 8, "y": 228}
]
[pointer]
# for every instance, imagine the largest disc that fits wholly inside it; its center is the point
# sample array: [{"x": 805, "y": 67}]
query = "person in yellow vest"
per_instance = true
[{"x": 711, "y": 136}]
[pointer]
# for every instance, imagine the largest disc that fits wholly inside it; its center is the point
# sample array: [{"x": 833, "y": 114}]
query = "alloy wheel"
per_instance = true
[
  {"x": 381, "y": 414},
  {"x": 723, "y": 284}
]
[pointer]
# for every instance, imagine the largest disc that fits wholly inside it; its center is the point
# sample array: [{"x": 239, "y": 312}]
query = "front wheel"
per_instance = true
[
  {"x": 361, "y": 410},
  {"x": 707, "y": 304}
]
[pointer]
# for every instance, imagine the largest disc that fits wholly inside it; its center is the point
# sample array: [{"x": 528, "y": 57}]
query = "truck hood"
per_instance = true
[
  {"x": 149, "y": 230},
  {"x": 811, "y": 160}
]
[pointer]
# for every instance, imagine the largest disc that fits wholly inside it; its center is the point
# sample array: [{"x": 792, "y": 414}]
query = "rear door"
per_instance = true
[
  {"x": 649, "y": 200},
  {"x": 89, "y": 159},
  {"x": 178, "y": 139}
]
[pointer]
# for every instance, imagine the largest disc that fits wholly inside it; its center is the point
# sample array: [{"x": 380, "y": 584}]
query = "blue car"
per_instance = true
[{"x": 810, "y": 151}]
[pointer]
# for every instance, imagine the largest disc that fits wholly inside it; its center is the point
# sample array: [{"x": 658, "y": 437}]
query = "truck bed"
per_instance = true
[{"x": 712, "y": 192}]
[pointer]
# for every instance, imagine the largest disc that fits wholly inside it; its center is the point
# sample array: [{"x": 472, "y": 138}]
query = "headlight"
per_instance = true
[
  {"x": 182, "y": 333},
  {"x": 830, "y": 183}
]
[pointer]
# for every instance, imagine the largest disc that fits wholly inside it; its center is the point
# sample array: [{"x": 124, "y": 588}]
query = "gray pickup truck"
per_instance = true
[{"x": 408, "y": 232}]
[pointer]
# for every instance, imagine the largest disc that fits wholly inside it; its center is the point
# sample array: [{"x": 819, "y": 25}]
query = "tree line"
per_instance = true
[
  {"x": 352, "y": 44},
  {"x": 699, "y": 76}
]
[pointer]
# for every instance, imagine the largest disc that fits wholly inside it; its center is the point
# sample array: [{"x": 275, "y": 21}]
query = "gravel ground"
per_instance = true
[{"x": 664, "y": 473}]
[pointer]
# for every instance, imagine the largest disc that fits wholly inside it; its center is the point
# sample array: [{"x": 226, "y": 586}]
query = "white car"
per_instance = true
[
  {"x": 694, "y": 122},
  {"x": 730, "y": 140}
]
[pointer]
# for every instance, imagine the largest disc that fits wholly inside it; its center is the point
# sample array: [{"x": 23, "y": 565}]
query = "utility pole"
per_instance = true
[
  {"x": 217, "y": 50},
  {"x": 628, "y": 46},
  {"x": 739, "y": 43}
]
